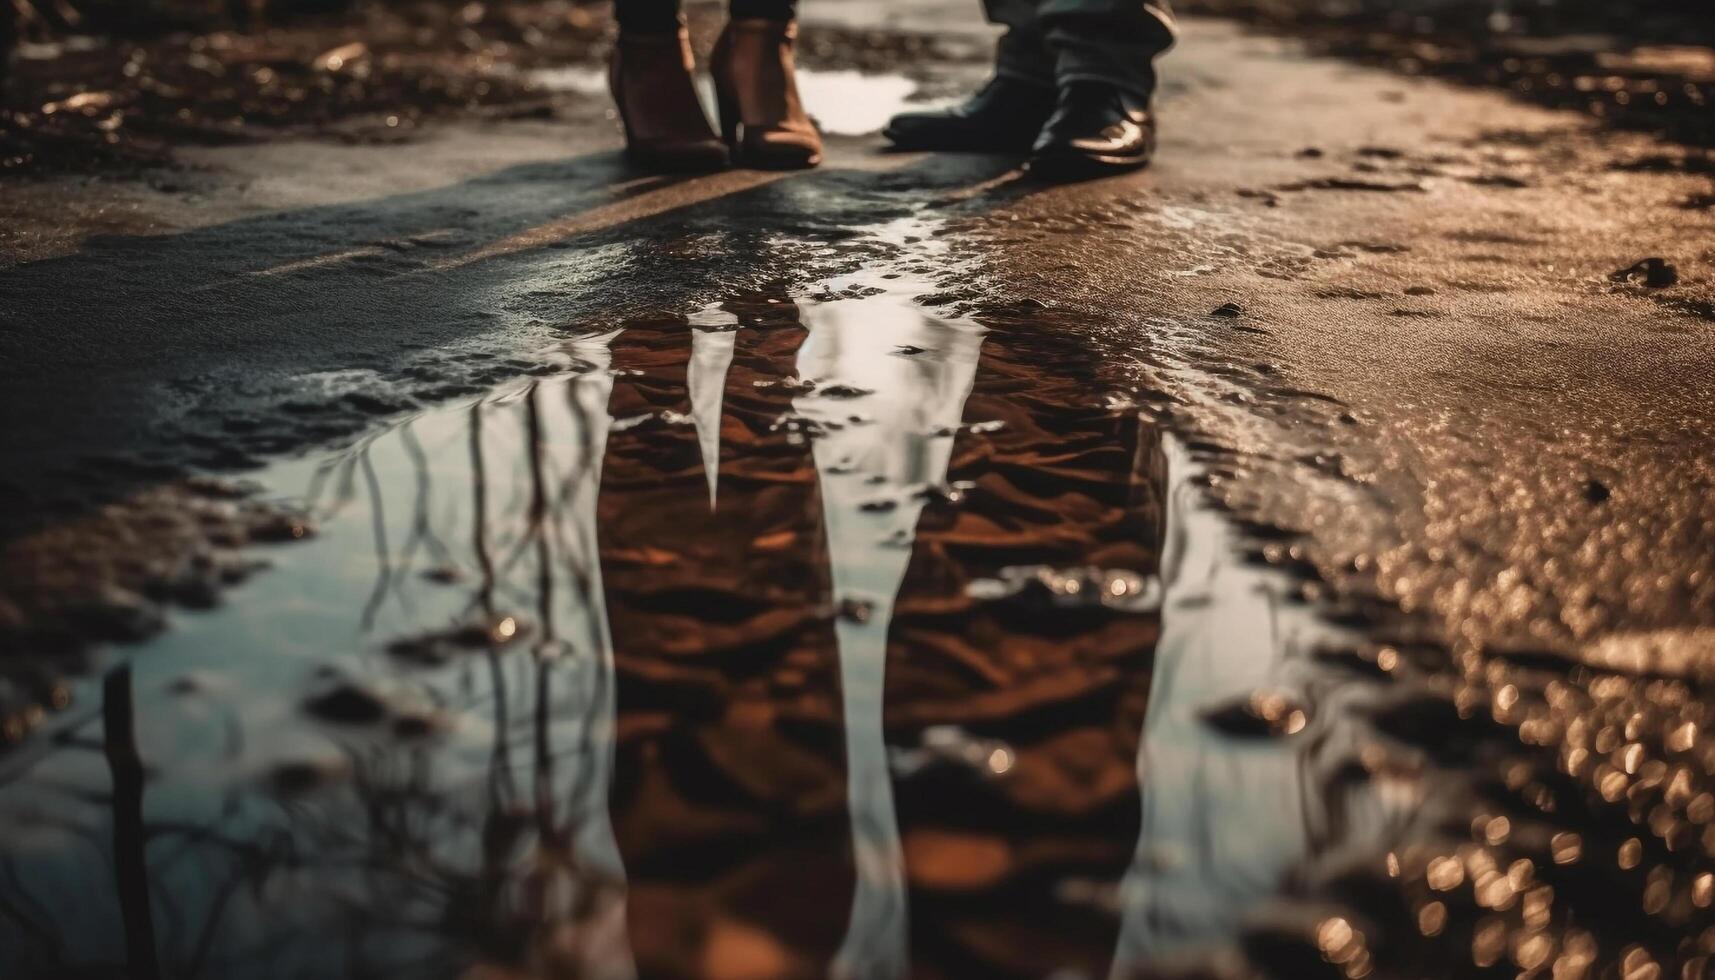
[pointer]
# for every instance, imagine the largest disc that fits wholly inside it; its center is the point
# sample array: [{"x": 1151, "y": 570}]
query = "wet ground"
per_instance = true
[
  {"x": 487, "y": 562},
  {"x": 1646, "y": 65},
  {"x": 128, "y": 101}
]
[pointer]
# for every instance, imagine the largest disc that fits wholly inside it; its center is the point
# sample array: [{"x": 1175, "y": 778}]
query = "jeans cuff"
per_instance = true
[
  {"x": 1142, "y": 88},
  {"x": 1041, "y": 78}
]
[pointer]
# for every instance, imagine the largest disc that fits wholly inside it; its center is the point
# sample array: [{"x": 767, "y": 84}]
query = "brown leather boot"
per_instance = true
[
  {"x": 762, "y": 118},
  {"x": 665, "y": 128}
]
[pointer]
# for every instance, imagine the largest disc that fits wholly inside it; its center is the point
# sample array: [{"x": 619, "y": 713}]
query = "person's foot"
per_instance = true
[
  {"x": 1003, "y": 117},
  {"x": 665, "y": 128},
  {"x": 762, "y": 118},
  {"x": 1096, "y": 129}
]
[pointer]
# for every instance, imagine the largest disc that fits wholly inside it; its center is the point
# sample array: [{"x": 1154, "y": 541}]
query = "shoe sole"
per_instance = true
[{"x": 1067, "y": 165}]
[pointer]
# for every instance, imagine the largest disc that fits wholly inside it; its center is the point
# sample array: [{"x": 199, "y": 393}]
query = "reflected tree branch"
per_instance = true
[
  {"x": 383, "y": 557},
  {"x": 130, "y": 863}
]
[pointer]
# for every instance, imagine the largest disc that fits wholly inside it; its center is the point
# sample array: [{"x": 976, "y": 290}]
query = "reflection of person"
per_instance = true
[
  {"x": 728, "y": 795},
  {"x": 763, "y": 123},
  {"x": 1072, "y": 86}
]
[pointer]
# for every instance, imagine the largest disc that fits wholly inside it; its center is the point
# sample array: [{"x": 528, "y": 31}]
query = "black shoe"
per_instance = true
[
  {"x": 1004, "y": 116},
  {"x": 1096, "y": 129}
]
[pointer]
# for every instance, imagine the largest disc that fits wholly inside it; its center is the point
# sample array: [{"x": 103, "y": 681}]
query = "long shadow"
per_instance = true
[{"x": 142, "y": 358}]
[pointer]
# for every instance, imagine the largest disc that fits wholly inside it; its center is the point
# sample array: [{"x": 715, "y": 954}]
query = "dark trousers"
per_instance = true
[
  {"x": 662, "y": 16},
  {"x": 1052, "y": 42},
  {"x": 8, "y": 37}
]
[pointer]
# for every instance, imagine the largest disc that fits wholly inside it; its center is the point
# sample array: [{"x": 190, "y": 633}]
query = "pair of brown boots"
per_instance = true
[{"x": 763, "y": 123}]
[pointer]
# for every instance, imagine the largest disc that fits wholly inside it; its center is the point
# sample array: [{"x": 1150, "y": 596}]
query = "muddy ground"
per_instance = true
[
  {"x": 1642, "y": 65},
  {"x": 1403, "y": 335}
]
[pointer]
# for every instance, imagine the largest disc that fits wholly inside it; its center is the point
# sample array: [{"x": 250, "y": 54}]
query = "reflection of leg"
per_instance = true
[
  {"x": 130, "y": 861},
  {"x": 888, "y": 454},
  {"x": 1017, "y": 826},
  {"x": 728, "y": 789}
]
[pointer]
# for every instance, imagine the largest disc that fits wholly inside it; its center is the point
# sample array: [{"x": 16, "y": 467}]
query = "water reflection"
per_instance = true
[
  {"x": 1227, "y": 819},
  {"x": 409, "y": 761},
  {"x": 712, "y": 339},
  {"x": 682, "y": 663},
  {"x": 884, "y": 420}
]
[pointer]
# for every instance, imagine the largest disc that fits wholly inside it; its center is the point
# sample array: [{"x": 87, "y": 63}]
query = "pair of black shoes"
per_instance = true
[{"x": 1087, "y": 129}]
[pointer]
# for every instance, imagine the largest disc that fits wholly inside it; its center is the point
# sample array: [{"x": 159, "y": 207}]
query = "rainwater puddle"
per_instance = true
[
  {"x": 690, "y": 659},
  {"x": 807, "y": 635},
  {"x": 576, "y": 79},
  {"x": 851, "y": 103}
]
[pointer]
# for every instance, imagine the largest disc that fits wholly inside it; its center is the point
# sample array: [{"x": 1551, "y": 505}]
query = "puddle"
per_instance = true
[
  {"x": 576, "y": 79},
  {"x": 1235, "y": 639},
  {"x": 589, "y": 672},
  {"x": 785, "y": 636},
  {"x": 826, "y": 634},
  {"x": 852, "y": 103}
]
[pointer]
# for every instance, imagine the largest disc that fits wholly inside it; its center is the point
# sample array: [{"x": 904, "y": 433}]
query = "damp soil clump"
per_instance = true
[
  {"x": 113, "y": 576},
  {"x": 105, "y": 577}
]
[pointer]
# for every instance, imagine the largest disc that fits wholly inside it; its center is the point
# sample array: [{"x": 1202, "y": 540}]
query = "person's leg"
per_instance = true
[
  {"x": 8, "y": 37},
  {"x": 1023, "y": 54},
  {"x": 1114, "y": 42},
  {"x": 1007, "y": 113},
  {"x": 650, "y": 74},
  {"x": 755, "y": 71},
  {"x": 763, "y": 9},
  {"x": 646, "y": 16},
  {"x": 662, "y": 16},
  {"x": 1104, "y": 53}
]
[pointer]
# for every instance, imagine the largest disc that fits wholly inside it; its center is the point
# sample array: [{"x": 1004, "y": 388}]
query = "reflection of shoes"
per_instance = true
[
  {"x": 665, "y": 128},
  {"x": 1004, "y": 116},
  {"x": 1096, "y": 129},
  {"x": 762, "y": 118}
]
